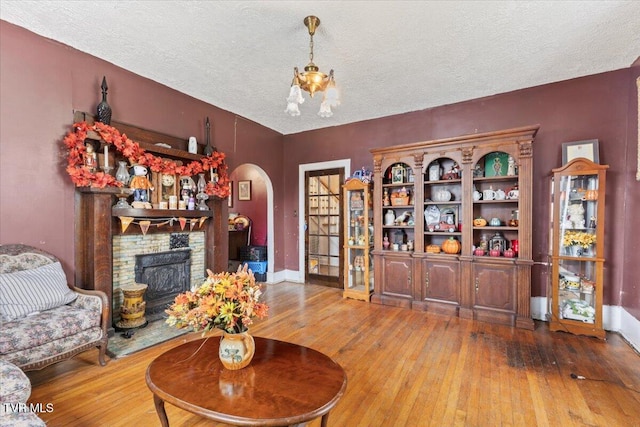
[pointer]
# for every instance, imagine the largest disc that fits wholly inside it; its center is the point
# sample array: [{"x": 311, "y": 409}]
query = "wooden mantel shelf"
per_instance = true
[{"x": 160, "y": 213}]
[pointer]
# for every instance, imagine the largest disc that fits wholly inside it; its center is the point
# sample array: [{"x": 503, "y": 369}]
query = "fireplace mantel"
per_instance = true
[{"x": 97, "y": 222}]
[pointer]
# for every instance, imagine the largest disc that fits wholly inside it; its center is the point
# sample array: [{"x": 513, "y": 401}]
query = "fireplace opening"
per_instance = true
[{"x": 166, "y": 274}]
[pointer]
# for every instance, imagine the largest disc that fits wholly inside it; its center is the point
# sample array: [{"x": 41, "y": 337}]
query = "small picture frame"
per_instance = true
[
  {"x": 397, "y": 174},
  {"x": 230, "y": 197},
  {"x": 244, "y": 190},
  {"x": 587, "y": 149}
]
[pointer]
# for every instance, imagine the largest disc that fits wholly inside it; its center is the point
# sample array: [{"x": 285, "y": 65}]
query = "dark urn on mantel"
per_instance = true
[
  {"x": 104, "y": 110},
  {"x": 208, "y": 149}
]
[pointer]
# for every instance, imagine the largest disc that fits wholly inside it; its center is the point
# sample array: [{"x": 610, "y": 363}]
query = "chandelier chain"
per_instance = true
[{"x": 311, "y": 48}]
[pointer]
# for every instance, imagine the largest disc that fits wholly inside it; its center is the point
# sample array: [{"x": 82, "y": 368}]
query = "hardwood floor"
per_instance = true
[{"x": 405, "y": 368}]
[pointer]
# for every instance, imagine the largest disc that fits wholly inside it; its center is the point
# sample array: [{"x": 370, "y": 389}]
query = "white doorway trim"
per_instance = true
[{"x": 302, "y": 169}]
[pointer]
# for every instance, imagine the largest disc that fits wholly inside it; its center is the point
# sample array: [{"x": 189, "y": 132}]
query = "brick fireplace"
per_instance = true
[{"x": 155, "y": 260}]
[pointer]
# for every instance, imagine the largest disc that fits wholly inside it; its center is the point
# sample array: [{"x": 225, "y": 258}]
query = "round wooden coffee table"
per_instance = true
[{"x": 285, "y": 384}]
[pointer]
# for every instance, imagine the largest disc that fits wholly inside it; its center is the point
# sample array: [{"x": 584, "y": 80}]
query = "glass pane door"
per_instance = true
[{"x": 324, "y": 225}]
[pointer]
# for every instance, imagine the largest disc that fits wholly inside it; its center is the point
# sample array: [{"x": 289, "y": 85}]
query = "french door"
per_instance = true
[{"x": 323, "y": 236}]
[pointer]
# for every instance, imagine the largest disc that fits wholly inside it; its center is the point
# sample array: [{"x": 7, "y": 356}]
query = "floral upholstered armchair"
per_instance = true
[{"x": 44, "y": 320}]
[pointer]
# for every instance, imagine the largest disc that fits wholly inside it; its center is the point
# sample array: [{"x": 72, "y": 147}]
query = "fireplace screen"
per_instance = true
[{"x": 166, "y": 274}]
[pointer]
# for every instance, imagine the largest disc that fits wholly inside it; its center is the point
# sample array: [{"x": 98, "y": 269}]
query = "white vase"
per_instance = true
[
  {"x": 389, "y": 217},
  {"x": 236, "y": 350}
]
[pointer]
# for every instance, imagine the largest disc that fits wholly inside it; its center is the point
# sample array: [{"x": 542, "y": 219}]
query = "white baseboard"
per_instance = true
[
  {"x": 614, "y": 319},
  {"x": 285, "y": 276},
  {"x": 630, "y": 328}
]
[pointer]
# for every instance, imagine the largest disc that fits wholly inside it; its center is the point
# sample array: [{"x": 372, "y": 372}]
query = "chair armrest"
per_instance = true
[{"x": 94, "y": 300}]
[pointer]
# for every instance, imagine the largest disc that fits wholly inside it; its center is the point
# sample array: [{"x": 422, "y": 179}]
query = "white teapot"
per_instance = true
[
  {"x": 442, "y": 196},
  {"x": 477, "y": 195},
  {"x": 513, "y": 194},
  {"x": 500, "y": 195}
]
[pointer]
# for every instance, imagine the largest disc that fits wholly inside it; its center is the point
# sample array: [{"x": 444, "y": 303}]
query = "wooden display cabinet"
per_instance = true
[
  {"x": 454, "y": 181},
  {"x": 577, "y": 248},
  {"x": 358, "y": 231}
]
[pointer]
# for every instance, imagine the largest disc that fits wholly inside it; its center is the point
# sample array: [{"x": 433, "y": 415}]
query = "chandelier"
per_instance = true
[{"x": 312, "y": 80}]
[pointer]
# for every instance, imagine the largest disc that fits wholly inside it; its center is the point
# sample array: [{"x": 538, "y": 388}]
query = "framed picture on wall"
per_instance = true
[
  {"x": 244, "y": 190},
  {"x": 230, "y": 197},
  {"x": 587, "y": 149}
]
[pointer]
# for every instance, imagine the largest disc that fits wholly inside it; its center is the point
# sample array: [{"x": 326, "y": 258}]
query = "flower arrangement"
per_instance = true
[
  {"x": 580, "y": 238},
  {"x": 81, "y": 177},
  {"x": 227, "y": 301}
]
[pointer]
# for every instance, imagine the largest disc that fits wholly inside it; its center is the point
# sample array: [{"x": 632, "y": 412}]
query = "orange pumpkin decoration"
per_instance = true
[
  {"x": 432, "y": 249},
  {"x": 479, "y": 222},
  {"x": 451, "y": 246},
  {"x": 591, "y": 195}
]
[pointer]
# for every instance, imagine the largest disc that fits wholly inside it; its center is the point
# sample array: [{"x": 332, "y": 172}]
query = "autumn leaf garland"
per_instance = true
[{"x": 81, "y": 177}]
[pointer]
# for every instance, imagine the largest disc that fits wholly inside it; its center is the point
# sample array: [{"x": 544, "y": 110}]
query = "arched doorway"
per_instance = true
[{"x": 257, "y": 205}]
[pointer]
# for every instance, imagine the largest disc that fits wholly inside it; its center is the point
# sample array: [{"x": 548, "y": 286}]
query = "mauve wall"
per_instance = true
[
  {"x": 594, "y": 107},
  {"x": 42, "y": 82}
]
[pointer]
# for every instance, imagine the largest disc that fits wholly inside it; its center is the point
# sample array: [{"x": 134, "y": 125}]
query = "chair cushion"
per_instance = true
[
  {"x": 16, "y": 387},
  {"x": 64, "y": 322},
  {"x": 30, "y": 291}
]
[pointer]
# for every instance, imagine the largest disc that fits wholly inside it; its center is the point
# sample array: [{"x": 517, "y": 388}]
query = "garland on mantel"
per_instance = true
[
  {"x": 131, "y": 150},
  {"x": 145, "y": 223}
]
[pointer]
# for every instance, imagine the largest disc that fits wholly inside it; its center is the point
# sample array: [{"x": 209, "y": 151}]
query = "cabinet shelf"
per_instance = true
[
  {"x": 498, "y": 228},
  {"x": 451, "y": 202},
  {"x": 443, "y": 181},
  {"x": 443, "y": 233},
  {"x": 513, "y": 178},
  {"x": 495, "y": 202}
]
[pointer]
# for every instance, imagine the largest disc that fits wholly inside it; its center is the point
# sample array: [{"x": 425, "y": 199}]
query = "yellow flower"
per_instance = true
[{"x": 580, "y": 238}]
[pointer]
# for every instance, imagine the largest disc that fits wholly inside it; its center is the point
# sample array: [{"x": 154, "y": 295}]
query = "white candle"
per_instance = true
[{"x": 106, "y": 156}]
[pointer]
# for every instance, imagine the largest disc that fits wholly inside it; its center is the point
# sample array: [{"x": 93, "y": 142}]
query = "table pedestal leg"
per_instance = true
[
  {"x": 325, "y": 420},
  {"x": 162, "y": 414}
]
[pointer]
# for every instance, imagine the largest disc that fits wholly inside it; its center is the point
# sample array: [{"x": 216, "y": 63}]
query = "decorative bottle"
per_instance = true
[{"x": 104, "y": 110}]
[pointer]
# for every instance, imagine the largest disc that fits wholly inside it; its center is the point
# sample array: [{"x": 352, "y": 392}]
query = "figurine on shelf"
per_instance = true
[
  {"x": 141, "y": 187},
  {"x": 188, "y": 188},
  {"x": 454, "y": 172},
  {"x": 576, "y": 214},
  {"x": 511, "y": 166},
  {"x": 385, "y": 242},
  {"x": 385, "y": 198},
  {"x": 389, "y": 217},
  {"x": 90, "y": 158},
  {"x": 592, "y": 222}
]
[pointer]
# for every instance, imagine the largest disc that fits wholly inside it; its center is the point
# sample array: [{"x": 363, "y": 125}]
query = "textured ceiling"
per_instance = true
[{"x": 389, "y": 57}]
